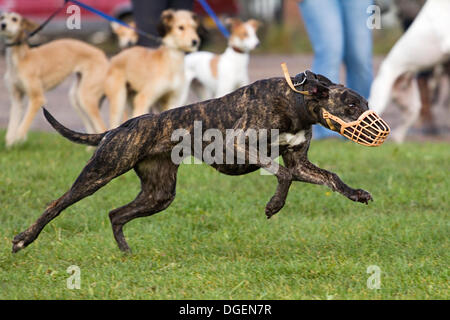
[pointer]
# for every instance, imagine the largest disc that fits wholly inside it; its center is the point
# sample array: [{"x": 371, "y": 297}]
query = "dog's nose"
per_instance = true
[
  {"x": 194, "y": 43},
  {"x": 3, "y": 26}
]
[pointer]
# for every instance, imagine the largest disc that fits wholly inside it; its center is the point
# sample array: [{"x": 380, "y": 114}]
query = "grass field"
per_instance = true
[{"x": 214, "y": 242}]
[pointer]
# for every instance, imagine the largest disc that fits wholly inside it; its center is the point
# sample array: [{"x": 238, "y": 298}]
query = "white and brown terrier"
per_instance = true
[
  {"x": 221, "y": 74},
  {"x": 33, "y": 71},
  {"x": 152, "y": 76}
]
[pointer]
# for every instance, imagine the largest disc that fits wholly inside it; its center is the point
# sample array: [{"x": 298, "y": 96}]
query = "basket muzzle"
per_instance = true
[{"x": 369, "y": 129}]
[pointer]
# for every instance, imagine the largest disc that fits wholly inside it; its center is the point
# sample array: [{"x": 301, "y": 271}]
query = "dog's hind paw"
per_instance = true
[{"x": 362, "y": 196}]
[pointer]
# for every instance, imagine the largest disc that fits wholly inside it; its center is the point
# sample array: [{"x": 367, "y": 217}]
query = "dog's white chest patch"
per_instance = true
[{"x": 292, "y": 139}]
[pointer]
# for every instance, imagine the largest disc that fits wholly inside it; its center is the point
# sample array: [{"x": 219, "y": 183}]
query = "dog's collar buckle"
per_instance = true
[{"x": 289, "y": 81}]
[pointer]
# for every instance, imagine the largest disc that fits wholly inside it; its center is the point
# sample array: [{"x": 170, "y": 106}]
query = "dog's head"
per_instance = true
[
  {"x": 126, "y": 37},
  {"x": 341, "y": 109},
  {"x": 179, "y": 29},
  {"x": 14, "y": 27},
  {"x": 243, "y": 34}
]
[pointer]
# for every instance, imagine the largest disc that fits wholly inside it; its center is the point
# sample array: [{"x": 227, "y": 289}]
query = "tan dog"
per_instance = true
[
  {"x": 33, "y": 71},
  {"x": 126, "y": 37},
  {"x": 154, "y": 75}
]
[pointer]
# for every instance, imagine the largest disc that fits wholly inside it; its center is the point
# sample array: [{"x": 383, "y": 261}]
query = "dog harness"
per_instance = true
[{"x": 368, "y": 130}]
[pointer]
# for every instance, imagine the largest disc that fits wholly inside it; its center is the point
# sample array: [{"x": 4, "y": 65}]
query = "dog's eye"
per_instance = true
[
  {"x": 14, "y": 19},
  {"x": 351, "y": 111},
  {"x": 181, "y": 28}
]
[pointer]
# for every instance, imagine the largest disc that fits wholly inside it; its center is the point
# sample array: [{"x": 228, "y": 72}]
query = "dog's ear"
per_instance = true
[
  {"x": 254, "y": 23},
  {"x": 28, "y": 25},
  {"x": 165, "y": 22},
  {"x": 232, "y": 23},
  {"x": 314, "y": 86},
  {"x": 201, "y": 30},
  {"x": 114, "y": 26},
  {"x": 196, "y": 19},
  {"x": 324, "y": 80},
  {"x": 316, "y": 89}
]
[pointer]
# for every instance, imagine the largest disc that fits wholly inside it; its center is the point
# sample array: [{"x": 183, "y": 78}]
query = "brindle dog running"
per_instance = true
[{"x": 144, "y": 144}]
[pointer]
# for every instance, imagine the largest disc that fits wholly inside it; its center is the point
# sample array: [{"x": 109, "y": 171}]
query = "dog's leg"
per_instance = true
[
  {"x": 423, "y": 83},
  {"x": 202, "y": 92},
  {"x": 73, "y": 97},
  {"x": 225, "y": 85},
  {"x": 411, "y": 113},
  {"x": 116, "y": 93},
  {"x": 305, "y": 171},
  {"x": 144, "y": 100},
  {"x": 174, "y": 100},
  {"x": 106, "y": 164},
  {"x": 158, "y": 181},
  {"x": 15, "y": 114},
  {"x": 89, "y": 95},
  {"x": 249, "y": 154},
  {"x": 36, "y": 101}
]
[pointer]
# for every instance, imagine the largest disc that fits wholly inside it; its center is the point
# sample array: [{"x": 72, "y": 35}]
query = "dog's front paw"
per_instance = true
[
  {"x": 20, "y": 241},
  {"x": 362, "y": 196},
  {"x": 273, "y": 206}
]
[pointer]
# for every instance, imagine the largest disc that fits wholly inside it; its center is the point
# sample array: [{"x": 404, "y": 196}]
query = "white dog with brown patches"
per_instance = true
[
  {"x": 221, "y": 74},
  {"x": 33, "y": 71},
  {"x": 424, "y": 45},
  {"x": 152, "y": 75}
]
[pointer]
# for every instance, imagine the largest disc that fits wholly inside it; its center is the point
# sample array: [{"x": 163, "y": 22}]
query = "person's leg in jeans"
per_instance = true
[
  {"x": 358, "y": 45},
  {"x": 323, "y": 22},
  {"x": 146, "y": 14}
]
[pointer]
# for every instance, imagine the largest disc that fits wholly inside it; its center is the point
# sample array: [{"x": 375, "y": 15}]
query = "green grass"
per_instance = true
[{"x": 214, "y": 242}]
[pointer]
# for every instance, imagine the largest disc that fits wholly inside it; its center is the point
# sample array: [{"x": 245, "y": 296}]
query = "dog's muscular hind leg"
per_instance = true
[
  {"x": 158, "y": 181},
  {"x": 98, "y": 172}
]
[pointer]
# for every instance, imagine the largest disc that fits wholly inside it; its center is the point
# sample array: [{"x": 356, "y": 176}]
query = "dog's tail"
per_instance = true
[{"x": 83, "y": 138}]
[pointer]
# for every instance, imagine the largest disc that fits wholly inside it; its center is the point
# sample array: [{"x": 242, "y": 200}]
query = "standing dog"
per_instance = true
[
  {"x": 33, "y": 71},
  {"x": 425, "y": 44},
  {"x": 221, "y": 74},
  {"x": 153, "y": 75},
  {"x": 146, "y": 144}
]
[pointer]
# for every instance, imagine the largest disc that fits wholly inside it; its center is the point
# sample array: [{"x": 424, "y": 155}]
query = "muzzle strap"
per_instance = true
[{"x": 330, "y": 124}]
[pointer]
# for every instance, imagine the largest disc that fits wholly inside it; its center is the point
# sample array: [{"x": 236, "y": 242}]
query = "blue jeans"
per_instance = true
[{"x": 338, "y": 33}]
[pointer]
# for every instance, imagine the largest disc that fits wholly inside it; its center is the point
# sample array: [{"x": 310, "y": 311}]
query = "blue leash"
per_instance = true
[
  {"x": 112, "y": 19},
  {"x": 105, "y": 16},
  {"x": 212, "y": 14}
]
